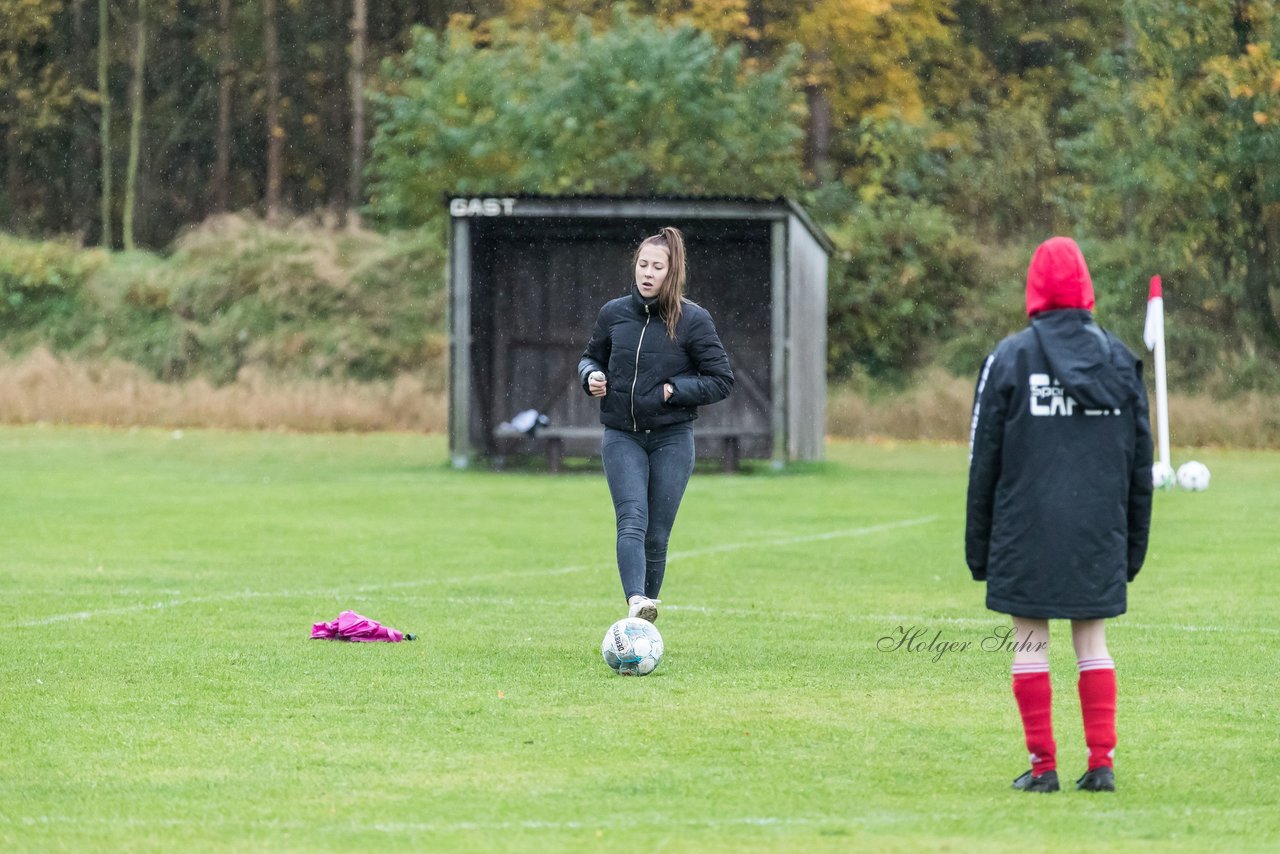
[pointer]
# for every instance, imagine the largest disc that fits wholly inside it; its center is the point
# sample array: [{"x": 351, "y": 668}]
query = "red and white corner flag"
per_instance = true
[{"x": 1153, "y": 337}]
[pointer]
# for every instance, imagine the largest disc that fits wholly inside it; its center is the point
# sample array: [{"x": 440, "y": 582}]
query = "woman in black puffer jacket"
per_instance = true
[{"x": 654, "y": 357}]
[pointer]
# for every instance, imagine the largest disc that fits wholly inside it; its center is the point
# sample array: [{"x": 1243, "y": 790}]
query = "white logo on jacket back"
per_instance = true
[{"x": 1048, "y": 397}]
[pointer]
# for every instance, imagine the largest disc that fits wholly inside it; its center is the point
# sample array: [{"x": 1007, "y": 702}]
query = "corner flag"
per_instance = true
[{"x": 1153, "y": 337}]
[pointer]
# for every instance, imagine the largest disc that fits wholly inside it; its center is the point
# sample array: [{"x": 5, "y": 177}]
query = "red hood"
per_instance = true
[{"x": 1058, "y": 277}]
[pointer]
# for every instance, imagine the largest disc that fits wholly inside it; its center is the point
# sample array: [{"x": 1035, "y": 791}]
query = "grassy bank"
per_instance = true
[{"x": 300, "y": 302}]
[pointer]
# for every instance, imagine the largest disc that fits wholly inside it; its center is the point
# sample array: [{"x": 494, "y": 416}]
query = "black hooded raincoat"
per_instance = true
[{"x": 1059, "y": 500}]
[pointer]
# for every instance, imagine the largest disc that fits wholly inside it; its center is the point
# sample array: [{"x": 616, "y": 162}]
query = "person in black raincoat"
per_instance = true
[
  {"x": 654, "y": 357},
  {"x": 1059, "y": 499}
]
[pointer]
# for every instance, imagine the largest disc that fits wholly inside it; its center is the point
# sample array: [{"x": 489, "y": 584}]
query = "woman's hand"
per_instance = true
[
  {"x": 667, "y": 390},
  {"x": 597, "y": 384}
]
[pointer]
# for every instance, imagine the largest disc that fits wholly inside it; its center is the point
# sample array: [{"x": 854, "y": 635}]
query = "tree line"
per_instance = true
[
  {"x": 927, "y": 136},
  {"x": 126, "y": 119}
]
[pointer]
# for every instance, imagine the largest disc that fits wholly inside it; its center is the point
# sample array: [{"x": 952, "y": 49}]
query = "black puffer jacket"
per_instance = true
[
  {"x": 629, "y": 342},
  {"x": 1059, "y": 499}
]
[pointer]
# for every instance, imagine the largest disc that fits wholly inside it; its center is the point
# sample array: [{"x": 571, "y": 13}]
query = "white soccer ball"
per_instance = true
[
  {"x": 632, "y": 647},
  {"x": 1162, "y": 476},
  {"x": 1194, "y": 476}
]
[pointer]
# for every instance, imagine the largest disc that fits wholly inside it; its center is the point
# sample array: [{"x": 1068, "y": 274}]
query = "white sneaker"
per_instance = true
[{"x": 644, "y": 608}]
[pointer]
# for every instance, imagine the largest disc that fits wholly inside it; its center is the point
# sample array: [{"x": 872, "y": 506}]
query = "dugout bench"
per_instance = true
[{"x": 551, "y": 440}]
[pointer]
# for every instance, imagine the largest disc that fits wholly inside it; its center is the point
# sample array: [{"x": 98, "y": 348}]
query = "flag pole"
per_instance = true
[{"x": 1153, "y": 337}]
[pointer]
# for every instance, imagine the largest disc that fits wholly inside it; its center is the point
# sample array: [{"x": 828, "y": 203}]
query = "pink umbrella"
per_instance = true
[{"x": 351, "y": 626}]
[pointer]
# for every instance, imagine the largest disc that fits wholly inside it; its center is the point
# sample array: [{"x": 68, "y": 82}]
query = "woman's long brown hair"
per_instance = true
[{"x": 671, "y": 297}]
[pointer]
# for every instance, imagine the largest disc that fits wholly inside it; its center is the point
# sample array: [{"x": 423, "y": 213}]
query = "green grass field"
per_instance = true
[{"x": 161, "y": 693}]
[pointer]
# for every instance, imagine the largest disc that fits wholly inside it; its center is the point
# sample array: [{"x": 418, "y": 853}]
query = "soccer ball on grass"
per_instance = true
[
  {"x": 1193, "y": 476},
  {"x": 632, "y": 647}
]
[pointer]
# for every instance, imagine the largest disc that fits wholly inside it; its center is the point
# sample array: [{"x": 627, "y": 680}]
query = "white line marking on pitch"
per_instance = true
[
  {"x": 497, "y": 576},
  {"x": 420, "y": 826},
  {"x": 810, "y": 538},
  {"x": 878, "y": 818}
]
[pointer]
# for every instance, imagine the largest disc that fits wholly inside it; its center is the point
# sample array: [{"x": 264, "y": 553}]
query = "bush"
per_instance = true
[
  {"x": 40, "y": 284},
  {"x": 900, "y": 274},
  {"x": 996, "y": 307}
]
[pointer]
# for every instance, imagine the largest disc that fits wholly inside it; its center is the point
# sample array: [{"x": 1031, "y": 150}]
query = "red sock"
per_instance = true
[
  {"x": 1034, "y": 694},
  {"x": 1098, "y": 708}
]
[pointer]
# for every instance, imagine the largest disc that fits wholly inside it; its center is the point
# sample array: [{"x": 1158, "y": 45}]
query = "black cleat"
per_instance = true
[
  {"x": 1102, "y": 779},
  {"x": 1046, "y": 782}
]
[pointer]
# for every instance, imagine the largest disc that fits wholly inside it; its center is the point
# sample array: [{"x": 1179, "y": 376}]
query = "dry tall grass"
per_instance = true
[
  {"x": 938, "y": 407},
  {"x": 45, "y": 388}
]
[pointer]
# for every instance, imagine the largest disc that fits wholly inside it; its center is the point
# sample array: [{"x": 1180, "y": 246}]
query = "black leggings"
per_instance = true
[{"x": 647, "y": 473}]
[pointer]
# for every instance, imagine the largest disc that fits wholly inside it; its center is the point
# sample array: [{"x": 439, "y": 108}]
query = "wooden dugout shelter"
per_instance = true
[{"x": 527, "y": 275}]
